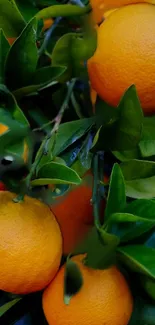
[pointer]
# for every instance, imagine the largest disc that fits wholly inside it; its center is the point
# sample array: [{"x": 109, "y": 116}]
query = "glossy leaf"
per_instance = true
[
  {"x": 61, "y": 10},
  {"x": 70, "y": 132},
  {"x": 127, "y": 155},
  {"x": 147, "y": 143},
  {"x": 116, "y": 200},
  {"x": 135, "y": 169},
  {"x": 27, "y": 9},
  {"x": 8, "y": 305},
  {"x": 140, "y": 215},
  {"x": 73, "y": 280},
  {"x": 138, "y": 258},
  {"x": 4, "y": 48},
  {"x": 10, "y": 130},
  {"x": 124, "y": 133},
  {"x": 149, "y": 286},
  {"x": 8, "y": 102},
  {"x": 23, "y": 54},
  {"x": 11, "y": 21},
  {"x": 141, "y": 188},
  {"x": 93, "y": 243},
  {"x": 70, "y": 51},
  {"x": 55, "y": 173},
  {"x": 41, "y": 78}
]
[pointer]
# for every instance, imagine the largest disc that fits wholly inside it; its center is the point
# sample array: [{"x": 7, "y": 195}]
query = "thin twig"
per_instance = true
[
  {"x": 60, "y": 114},
  {"x": 48, "y": 35},
  {"x": 96, "y": 191}
]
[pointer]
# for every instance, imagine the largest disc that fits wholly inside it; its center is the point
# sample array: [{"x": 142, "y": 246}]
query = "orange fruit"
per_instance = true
[
  {"x": 125, "y": 55},
  {"x": 47, "y": 24},
  {"x": 11, "y": 40},
  {"x": 30, "y": 244},
  {"x": 104, "y": 298},
  {"x": 100, "y": 7},
  {"x": 74, "y": 213}
]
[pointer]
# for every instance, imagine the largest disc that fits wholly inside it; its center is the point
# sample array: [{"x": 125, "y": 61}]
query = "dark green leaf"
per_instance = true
[
  {"x": 55, "y": 173},
  {"x": 138, "y": 258},
  {"x": 149, "y": 286},
  {"x": 135, "y": 169},
  {"x": 143, "y": 211},
  {"x": 11, "y": 21},
  {"x": 127, "y": 155},
  {"x": 116, "y": 200},
  {"x": 4, "y": 48},
  {"x": 70, "y": 132},
  {"x": 141, "y": 188},
  {"x": 100, "y": 251},
  {"x": 27, "y": 8},
  {"x": 147, "y": 143},
  {"x": 41, "y": 78},
  {"x": 22, "y": 58},
  {"x": 70, "y": 50},
  {"x": 124, "y": 133},
  {"x": 8, "y": 102},
  {"x": 73, "y": 280},
  {"x": 10, "y": 130},
  {"x": 7, "y": 306}
]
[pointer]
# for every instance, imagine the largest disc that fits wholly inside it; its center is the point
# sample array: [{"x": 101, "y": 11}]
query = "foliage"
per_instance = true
[{"x": 52, "y": 134}]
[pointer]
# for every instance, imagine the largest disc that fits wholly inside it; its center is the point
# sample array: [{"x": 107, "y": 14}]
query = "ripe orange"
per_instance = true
[
  {"x": 74, "y": 213},
  {"x": 125, "y": 55},
  {"x": 100, "y": 7},
  {"x": 30, "y": 245},
  {"x": 104, "y": 299}
]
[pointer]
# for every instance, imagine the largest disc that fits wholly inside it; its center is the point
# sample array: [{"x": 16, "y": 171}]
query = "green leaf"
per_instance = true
[
  {"x": 147, "y": 143},
  {"x": 135, "y": 169},
  {"x": 105, "y": 248},
  {"x": 27, "y": 9},
  {"x": 8, "y": 305},
  {"x": 8, "y": 102},
  {"x": 149, "y": 286},
  {"x": 41, "y": 78},
  {"x": 73, "y": 280},
  {"x": 116, "y": 200},
  {"x": 141, "y": 188},
  {"x": 127, "y": 155},
  {"x": 143, "y": 208},
  {"x": 24, "y": 55},
  {"x": 71, "y": 50},
  {"x": 70, "y": 132},
  {"x": 124, "y": 132},
  {"x": 55, "y": 173},
  {"x": 11, "y": 21},
  {"x": 10, "y": 130},
  {"x": 21, "y": 151},
  {"x": 4, "y": 48},
  {"x": 62, "y": 10},
  {"x": 138, "y": 258},
  {"x": 122, "y": 217}
]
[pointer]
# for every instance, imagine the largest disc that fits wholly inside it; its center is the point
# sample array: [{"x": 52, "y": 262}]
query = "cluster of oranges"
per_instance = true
[
  {"x": 34, "y": 236},
  {"x": 33, "y": 239}
]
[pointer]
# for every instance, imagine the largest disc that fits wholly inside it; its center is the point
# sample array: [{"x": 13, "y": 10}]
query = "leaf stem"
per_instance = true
[
  {"x": 48, "y": 35},
  {"x": 44, "y": 147},
  {"x": 96, "y": 198}
]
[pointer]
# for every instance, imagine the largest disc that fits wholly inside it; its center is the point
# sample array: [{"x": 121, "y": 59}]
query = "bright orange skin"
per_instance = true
[
  {"x": 101, "y": 6},
  {"x": 30, "y": 245},
  {"x": 104, "y": 299},
  {"x": 11, "y": 40},
  {"x": 125, "y": 55},
  {"x": 74, "y": 213}
]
